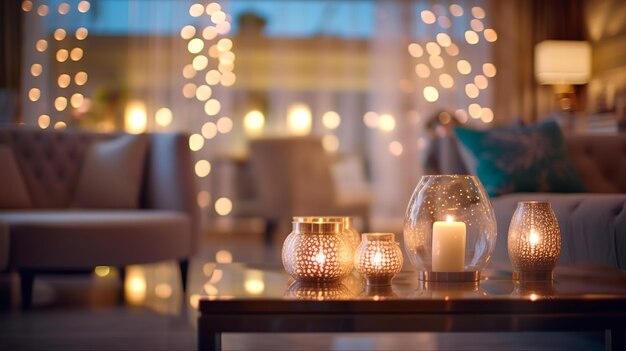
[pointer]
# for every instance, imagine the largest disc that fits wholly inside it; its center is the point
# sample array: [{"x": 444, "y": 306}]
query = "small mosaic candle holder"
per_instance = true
[
  {"x": 534, "y": 241},
  {"x": 318, "y": 252},
  {"x": 378, "y": 258},
  {"x": 347, "y": 226}
]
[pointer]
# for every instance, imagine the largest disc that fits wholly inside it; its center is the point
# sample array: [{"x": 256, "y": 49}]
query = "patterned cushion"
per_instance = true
[{"x": 520, "y": 159}]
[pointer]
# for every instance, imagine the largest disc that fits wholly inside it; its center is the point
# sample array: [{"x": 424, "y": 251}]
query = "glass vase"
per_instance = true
[
  {"x": 534, "y": 241},
  {"x": 317, "y": 252},
  {"x": 450, "y": 228}
]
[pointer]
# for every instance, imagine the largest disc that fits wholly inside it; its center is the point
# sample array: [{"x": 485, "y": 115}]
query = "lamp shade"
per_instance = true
[{"x": 563, "y": 62}]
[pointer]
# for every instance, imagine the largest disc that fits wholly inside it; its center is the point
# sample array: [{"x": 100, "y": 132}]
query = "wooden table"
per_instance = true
[{"x": 251, "y": 299}]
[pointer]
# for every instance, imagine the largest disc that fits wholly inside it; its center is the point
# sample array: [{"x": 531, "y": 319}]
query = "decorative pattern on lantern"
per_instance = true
[
  {"x": 318, "y": 292},
  {"x": 378, "y": 258},
  {"x": 317, "y": 252},
  {"x": 449, "y": 228},
  {"x": 347, "y": 226},
  {"x": 534, "y": 241}
]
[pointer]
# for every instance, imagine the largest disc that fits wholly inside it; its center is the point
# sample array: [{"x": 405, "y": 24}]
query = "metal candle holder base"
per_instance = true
[{"x": 451, "y": 277}]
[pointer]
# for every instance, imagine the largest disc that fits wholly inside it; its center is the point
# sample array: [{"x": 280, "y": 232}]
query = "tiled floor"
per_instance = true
[{"x": 82, "y": 312}]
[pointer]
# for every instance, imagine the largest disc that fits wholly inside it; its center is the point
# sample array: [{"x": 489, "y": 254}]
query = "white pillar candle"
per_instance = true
[{"x": 448, "y": 246}]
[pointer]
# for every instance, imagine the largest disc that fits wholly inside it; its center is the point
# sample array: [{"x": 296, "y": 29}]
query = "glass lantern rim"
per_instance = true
[
  {"x": 378, "y": 236},
  {"x": 330, "y": 228},
  {"x": 321, "y": 219},
  {"x": 534, "y": 203}
]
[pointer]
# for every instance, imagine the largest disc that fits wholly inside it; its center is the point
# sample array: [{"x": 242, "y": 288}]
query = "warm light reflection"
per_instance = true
[
  {"x": 212, "y": 107},
  {"x": 223, "y": 206},
  {"x": 433, "y": 49},
  {"x": 464, "y": 67},
  {"x": 422, "y": 70},
  {"x": 299, "y": 119},
  {"x": 253, "y": 123},
  {"x": 80, "y": 78},
  {"x": 77, "y": 100},
  {"x": 477, "y": 25},
  {"x": 196, "y": 142},
  {"x": 216, "y": 276},
  {"x": 474, "y": 110},
  {"x": 200, "y": 62},
  {"x": 209, "y": 33},
  {"x": 452, "y": 49},
  {"x": 415, "y": 50},
  {"x": 203, "y": 92},
  {"x": 76, "y": 54},
  {"x": 135, "y": 285},
  {"x": 478, "y": 12},
  {"x": 253, "y": 283},
  {"x": 436, "y": 61},
  {"x": 34, "y": 94},
  {"x": 42, "y": 10},
  {"x": 471, "y": 37},
  {"x": 43, "y": 121},
  {"x": 196, "y": 10},
  {"x": 386, "y": 122},
  {"x": 446, "y": 81},
  {"x": 223, "y": 28},
  {"x": 471, "y": 90},
  {"x": 224, "y": 125},
  {"x": 84, "y": 6},
  {"x": 213, "y": 7},
  {"x": 135, "y": 117},
  {"x": 203, "y": 168},
  {"x": 195, "y": 45},
  {"x": 444, "y": 40},
  {"x": 224, "y": 44},
  {"x": 81, "y": 33},
  {"x": 223, "y": 256},
  {"x": 212, "y": 77},
  {"x": 431, "y": 94},
  {"x": 59, "y": 34},
  {"x": 330, "y": 143},
  {"x": 489, "y": 69},
  {"x": 444, "y": 22},
  {"x": 481, "y": 82},
  {"x": 62, "y": 55},
  {"x": 490, "y": 35},
  {"x": 203, "y": 199},
  {"x": 102, "y": 271},
  {"x": 331, "y": 120},
  {"x": 27, "y": 5},
  {"x": 428, "y": 17},
  {"x": 163, "y": 290},
  {"x": 228, "y": 79},
  {"x": 187, "y": 32},
  {"x": 64, "y": 80},
  {"x": 41, "y": 45},
  {"x": 456, "y": 10},
  {"x": 486, "y": 115},
  {"x": 60, "y": 125},
  {"x": 189, "y": 72},
  {"x": 60, "y": 103},
  {"x": 396, "y": 148},
  {"x": 218, "y": 17},
  {"x": 461, "y": 115},
  {"x": 370, "y": 119},
  {"x": 209, "y": 130},
  {"x": 163, "y": 117}
]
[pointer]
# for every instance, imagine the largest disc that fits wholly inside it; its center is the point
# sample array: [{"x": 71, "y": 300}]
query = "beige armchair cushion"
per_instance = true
[
  {"x": 13, "y": 193},
  {"x": 112, "y": 173}
]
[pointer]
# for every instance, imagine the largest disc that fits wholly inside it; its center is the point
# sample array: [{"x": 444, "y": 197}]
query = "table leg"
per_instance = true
[
  {"x": 614, "y": 339},
  {"x": 211, "y": 341}
]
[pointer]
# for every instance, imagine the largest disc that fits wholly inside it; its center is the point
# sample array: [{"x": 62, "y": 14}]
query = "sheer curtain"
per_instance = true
[{"x": 368, "y": 74}]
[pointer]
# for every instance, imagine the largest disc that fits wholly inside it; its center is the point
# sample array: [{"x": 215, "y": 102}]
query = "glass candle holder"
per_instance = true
[
  {"x": 317, "y": 252},
  {"x": 346, "y": 225},
  {"x": 378, "y": 258},
  {"x": 450, "y": 228},
  {"x": 534, "y": 241}
]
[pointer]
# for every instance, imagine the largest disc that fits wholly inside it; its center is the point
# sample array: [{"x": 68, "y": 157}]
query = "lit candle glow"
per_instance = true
[{"x": 448, "y": 246}]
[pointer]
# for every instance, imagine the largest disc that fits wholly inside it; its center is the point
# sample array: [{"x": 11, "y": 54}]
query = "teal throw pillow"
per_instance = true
[{"x": 520, "y": 159}]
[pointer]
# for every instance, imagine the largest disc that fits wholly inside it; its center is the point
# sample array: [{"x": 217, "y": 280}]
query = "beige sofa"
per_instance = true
[
  {"x": 593, "y": 224},
  {"x": 82, "y": 209}
]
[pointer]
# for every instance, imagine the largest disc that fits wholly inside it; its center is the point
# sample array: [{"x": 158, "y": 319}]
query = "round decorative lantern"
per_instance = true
[
  {"x": 318, "y": 291},
  {"x": 378, "y": 258},
  {"x": 450, "y": 228},
  {"x": 534, "y": 241},
  {"x": 347, "y": 226},
  {"x": 317, "y": 252}
]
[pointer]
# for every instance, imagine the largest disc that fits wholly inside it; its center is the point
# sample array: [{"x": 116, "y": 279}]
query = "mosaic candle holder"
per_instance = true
[
  {"x": 450, "y": 228},
  {"x": 346, "y": 225},
  {"x": 317, "y": 252},
  {"x": 378, "y": 258},
  {"x": 534, "y": 241}
]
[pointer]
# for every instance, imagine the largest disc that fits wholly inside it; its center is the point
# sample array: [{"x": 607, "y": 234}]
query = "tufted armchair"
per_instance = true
[{"x": 54, "y": 229}]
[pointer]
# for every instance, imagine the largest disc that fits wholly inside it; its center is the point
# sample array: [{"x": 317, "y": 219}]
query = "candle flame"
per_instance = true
[
  {"x": 320, "y": 258},
  {"x": 449, "y": 219},
  {"x": 377, "y": 259},
  {"x": 533, "y": 238}
]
